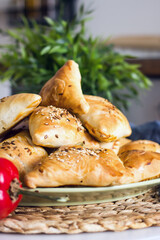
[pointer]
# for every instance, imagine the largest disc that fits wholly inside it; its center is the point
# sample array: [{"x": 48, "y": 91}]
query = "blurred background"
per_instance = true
[{"x": 132, "y": 26}]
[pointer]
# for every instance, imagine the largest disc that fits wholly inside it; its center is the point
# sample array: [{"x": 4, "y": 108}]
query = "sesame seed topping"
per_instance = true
[
  {"x": 64, "y": 154},
  {"x": 78, "y": 129},
  {"x": 52, "y": 114}
]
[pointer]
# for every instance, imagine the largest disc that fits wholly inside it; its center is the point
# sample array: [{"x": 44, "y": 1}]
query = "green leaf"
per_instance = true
[
  {"x": 23, "y": 52},
  {"x": 58, "y": 49},
  {"x": 49, "y": 21},
  {"x": 103, "y": 82},
  {"x": 109, "y": 96},
  {"x": 14, "y": 35},
  {"x": 45, "y": 50}
]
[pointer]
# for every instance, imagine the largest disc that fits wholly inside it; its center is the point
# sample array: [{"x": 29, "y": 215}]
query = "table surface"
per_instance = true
[{"x": 152, "y": 233}]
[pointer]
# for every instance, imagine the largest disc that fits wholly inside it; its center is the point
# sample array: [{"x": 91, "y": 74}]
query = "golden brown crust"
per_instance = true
[
  {"x": 16, "y": 107},
  {"x": 144, "y": 145},
  {"x": 91, "y": 142},
  {"x": 104, "y": 121},
  {"x": 140, "y": 166},
  {"x": 64, "y": 90},
  {"x": 77, "y": 166},
  {"x": 110, "y": 145},
  {"x": 22, "y": 152},
  {"x": 123, "y": 141},
  {"x": 54, "y": 127}
]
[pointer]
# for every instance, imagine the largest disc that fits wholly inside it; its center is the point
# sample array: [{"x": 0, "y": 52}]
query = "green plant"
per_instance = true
[{"x": 39, "y": 51}]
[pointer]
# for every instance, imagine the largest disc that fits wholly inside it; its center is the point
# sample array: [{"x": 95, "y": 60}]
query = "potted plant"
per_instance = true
[{"x": 37, "y": 52}]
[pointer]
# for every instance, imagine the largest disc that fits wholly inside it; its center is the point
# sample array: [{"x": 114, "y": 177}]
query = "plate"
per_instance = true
[{"x": 66, "y": 196}]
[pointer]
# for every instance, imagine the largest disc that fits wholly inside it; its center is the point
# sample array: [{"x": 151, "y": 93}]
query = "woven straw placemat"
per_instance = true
[{"x": 137, "y": 212}]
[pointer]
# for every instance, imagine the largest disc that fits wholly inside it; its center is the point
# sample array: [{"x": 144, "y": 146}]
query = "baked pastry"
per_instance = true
[
  {"x": 89, "y": 141},
  {"x": 123, "y": 141},
  {"x": 22, "y": 152},
  {"x": 144, "y": 145},
  {"x": 140, "y": 166},
  {"x": 110, "y": 145},
  {"x": 104, "y": 121},
  {"x": 54, "y": 127},
  {"x": 77, "y": 166},
  {"x": 16, "y": 107},
  {"x": 64, "y": 90}
]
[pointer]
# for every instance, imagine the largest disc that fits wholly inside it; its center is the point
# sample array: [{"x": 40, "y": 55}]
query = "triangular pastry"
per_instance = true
[
  {"x": 140, "y": 166},
  {"x": 104, "y": 121},
  {"x": 110, "y": 145},
  {"x": 91, "y": 142},
  {"x": 123, "y": 141},
  {"x": 77, "y": 166},
  {"x": 54, "y": 127},
  {"x": 64, "y": 89},
  {"x": 20, "y": 150},
  {"x": 144, "y": 145},
  {"x": 15, "y": 108}
]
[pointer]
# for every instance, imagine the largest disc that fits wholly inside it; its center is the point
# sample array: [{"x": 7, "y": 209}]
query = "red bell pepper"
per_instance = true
[{"x": 9, "y": 178}]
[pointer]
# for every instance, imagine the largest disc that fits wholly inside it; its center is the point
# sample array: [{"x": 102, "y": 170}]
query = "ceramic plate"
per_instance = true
[{"x": 63, "y": 196}]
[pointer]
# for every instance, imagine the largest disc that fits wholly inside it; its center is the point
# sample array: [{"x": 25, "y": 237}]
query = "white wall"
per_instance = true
[
  {"x": 123, "y": 17},
  {"x": 4, "y": 4},
  {"x": 4, "y": 89},
  {"x": 147, "y": 107}
]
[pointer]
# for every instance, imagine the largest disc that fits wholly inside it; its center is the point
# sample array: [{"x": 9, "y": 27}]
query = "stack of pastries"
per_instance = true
[{"x": 62, "y": 137}]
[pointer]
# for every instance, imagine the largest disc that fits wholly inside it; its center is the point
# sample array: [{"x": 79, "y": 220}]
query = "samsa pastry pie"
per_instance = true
[
  {"x": 77, "y": 166},
  {"x": 64, "y": 89},
  {"x": 91, "y": 142},
  {"x": 110, "y": 145},
  {"x": 16, "y": 107},
  {"x": 54, "y": 127},
  {"x": 123, "y": 141},
  {"x": 144, "y": 145},
  {"x": 22, "y": 152},
  {"x": 140, "y": 166},
  {"x": 104, "y": 121}
]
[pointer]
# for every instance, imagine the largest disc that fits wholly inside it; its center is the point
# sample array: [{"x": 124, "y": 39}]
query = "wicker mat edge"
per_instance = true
[{"x": 137, "y": 212}]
